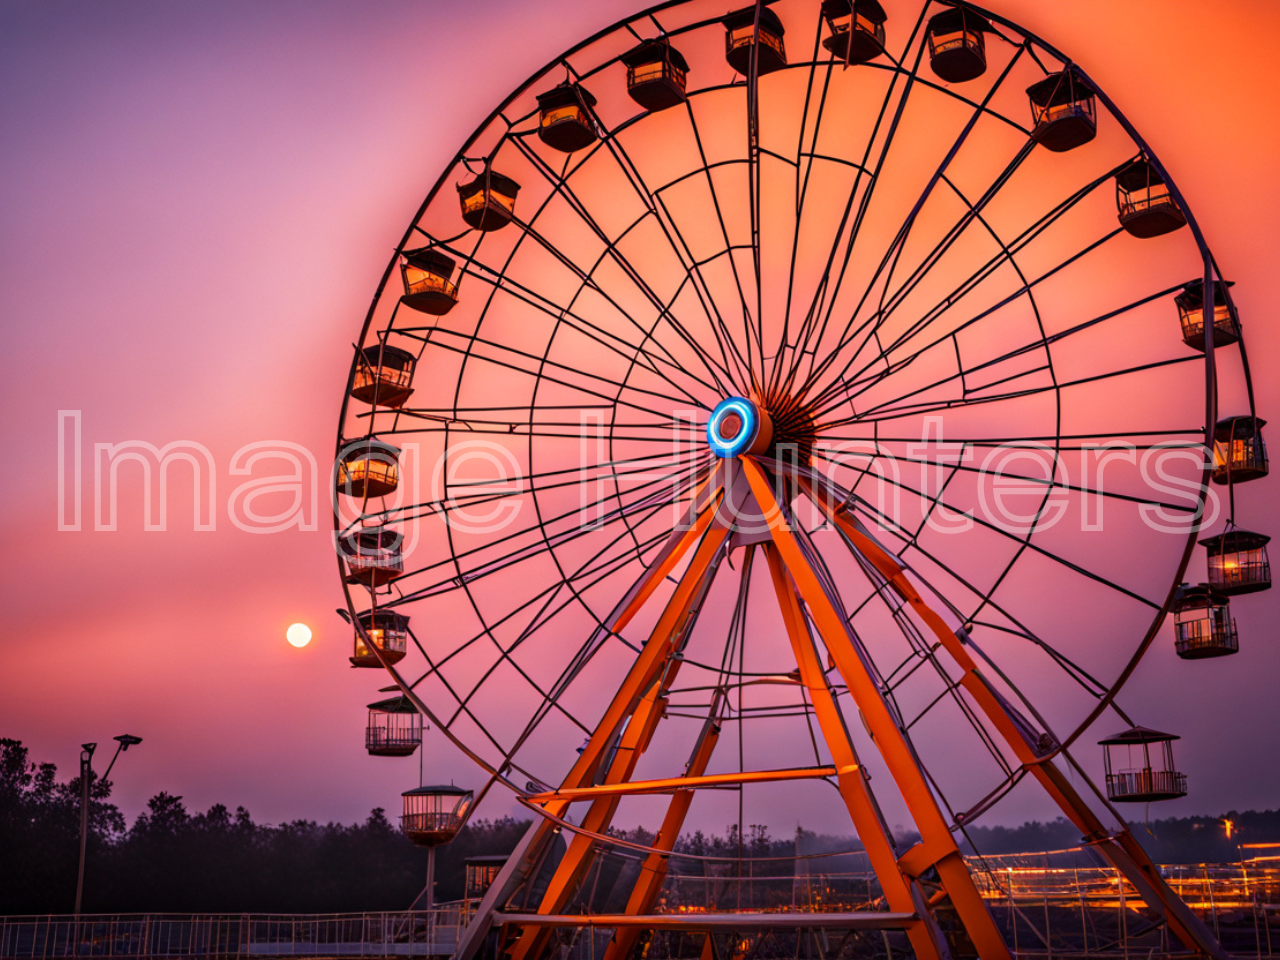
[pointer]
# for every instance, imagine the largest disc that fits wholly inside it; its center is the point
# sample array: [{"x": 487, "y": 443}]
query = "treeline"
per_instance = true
[{"x": 173, "y": 860}]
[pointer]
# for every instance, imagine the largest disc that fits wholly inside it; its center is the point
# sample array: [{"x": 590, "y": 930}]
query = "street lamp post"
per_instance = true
[{"x": 123, "y": 742}]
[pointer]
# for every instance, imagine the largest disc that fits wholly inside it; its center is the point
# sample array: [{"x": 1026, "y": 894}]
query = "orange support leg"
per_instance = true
[
  {"x": 940, "y": 850},
  {"x": 1122, "y": 849},
  {"x": 653, "y": 671},
  {"x": 863, "y": 810},
  {"x": 645, "y": 893}
]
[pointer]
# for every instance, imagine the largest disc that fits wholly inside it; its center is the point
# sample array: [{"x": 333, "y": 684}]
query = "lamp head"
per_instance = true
[
  {"x": 89, "y": 748},
  {"x": 127, "y": 740}
]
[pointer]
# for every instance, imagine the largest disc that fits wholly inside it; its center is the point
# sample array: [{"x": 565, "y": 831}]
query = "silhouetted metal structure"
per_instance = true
[
  {"x": 1064, "y": 111},
  {"x": 1240, "y": 455},
  {"x": 856, "y": 29},
  {"x": 488, "y": 201},
  {"x": 1146, "y": 206},
  {"x": 369, "y": 468},
  {"x": 656, "y": 74},
  {"x": 957, "y": 44},
  {"x": 426, "y": 273},
  {"x": 383, "y": 375},
  {"x": 1140, "y": 767},
  {"x": 1202, "y": 623},
  {"x": 394, "y": 728},
  {"x": 741, "y": 40},
  {"x": 386, "y": 630},
  {"x": 1190, "y": 304},
  {"x": 1238, "y": 562}
]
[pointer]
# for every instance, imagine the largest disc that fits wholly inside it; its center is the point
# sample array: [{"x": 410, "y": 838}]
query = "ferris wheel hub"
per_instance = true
[{"x": 739, "y": 426}]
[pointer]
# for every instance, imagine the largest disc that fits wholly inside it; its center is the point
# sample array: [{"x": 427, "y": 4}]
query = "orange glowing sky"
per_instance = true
[{"x": 197, "y": 202}]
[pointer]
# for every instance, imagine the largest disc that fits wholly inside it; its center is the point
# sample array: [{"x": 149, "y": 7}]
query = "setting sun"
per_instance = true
[{"x": 298, "y": 634}]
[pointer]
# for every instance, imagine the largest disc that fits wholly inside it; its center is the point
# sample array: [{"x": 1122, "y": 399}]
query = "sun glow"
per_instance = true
[{"x": 298, "y": 634}]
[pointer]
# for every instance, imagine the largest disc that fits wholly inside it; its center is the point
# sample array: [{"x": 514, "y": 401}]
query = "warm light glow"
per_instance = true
[
  {"x": 298, "y": 634},
  {"x": 1229, "y": 825}
]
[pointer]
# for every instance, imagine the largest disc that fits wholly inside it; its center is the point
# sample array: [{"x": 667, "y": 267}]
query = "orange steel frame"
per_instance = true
[
  {"x": 1120, "y": 847},
  {"x": 602, "y": 773}
]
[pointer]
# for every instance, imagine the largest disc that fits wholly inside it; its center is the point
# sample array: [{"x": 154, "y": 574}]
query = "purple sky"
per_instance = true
[{"x": 196, "y": 203}]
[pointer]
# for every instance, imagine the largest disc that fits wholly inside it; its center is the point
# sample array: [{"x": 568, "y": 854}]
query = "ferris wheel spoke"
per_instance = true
[
  {"x": 651, "y": 197},
  {"x": 624, "y": 348},
  {"x": 855, "y": 388},
  {"x": 870, "y": 329},
  {"x": 953, "y": 459},
  {"x": 501, "y": 350},
  {"x": 832, "y": 501},
  {"x": 896, "y": 409},
  {"x": 562, "y": 187},
  {"x": 542, "y": 540},
  {"x": 658, "y": 470},
  {"x": 897, "y": 245},
  {"x": 984, "y": 599},
  {"x": 782, "y": 374},
  {"x": 704, "y": 170},
  {"x": 1023, "y": 541},
  {"x": 823, "y": 303},
  {"x": 589, "y": 573},
  {"x": 664, "y": 315},
  {"x": 972, "y": 282},
  {"x": 607, "y": 627}
]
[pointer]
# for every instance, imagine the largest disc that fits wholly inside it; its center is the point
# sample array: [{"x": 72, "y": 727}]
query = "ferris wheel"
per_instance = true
[{"x": 800, "y": 404}]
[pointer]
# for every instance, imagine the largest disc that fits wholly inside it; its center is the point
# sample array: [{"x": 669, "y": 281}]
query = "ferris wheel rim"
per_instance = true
[{"x": 1114, "y": 112}]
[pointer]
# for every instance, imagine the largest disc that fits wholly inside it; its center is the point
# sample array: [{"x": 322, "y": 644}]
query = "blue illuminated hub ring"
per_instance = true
[{"x": 738, "y": 426}]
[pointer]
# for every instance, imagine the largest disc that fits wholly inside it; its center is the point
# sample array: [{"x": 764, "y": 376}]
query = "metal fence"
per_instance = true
[
  {"x": 1048, "y": 905},
  {"x": 401, "y": 934}
]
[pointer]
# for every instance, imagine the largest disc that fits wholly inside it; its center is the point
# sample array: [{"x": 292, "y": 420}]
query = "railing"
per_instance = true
[
  {"x": 1193, "y": 322},
  {"x": 1132, "y": 784},
  {"x": 1056, "y": 904},
  {"x": 942, "y": 43},
  {"x": 1144, "y": 199},
  {"x": 430, "y": 283},
  {"x": 658, "y": 70},
  {"x": 1213, "y": 632},
  {"x": 397, "y": 934},
  {"x": 1051, "y": 113}
]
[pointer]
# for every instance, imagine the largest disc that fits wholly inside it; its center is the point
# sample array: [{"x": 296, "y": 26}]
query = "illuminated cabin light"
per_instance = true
[
  {"x": 1140, "y": 767},
  {"x": 1239, "y": 452},
  {"x": 740, "y": 41},
  {"x": 387, "y": 630},
  {"x": 1190, "y": 304},
  {"x": 1145, "y": 205},
  {"x": 373, "y": 555},
  {"x": 369, "y": 468},
  {"x": 1202, "y": 623},
  {"x": 384, "y": 376},
  {"x": 1063, "y": 111},
  {"x": 489, "y": 201},
  {"x": 565, "y": 122},
  {"x": 427, "y": 287},
  {"x": 957, "y": 44},
  {"x": 857, "y": 29},
  {"x": 657, "y": 75},
  {"x": 434, "y": 815},
  {"x": 1238, "y": 562},
  {"x": 394, "y": 728}
]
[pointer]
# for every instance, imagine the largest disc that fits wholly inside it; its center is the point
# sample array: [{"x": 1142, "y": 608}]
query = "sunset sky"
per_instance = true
[{"x": 196, "y": 204}]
